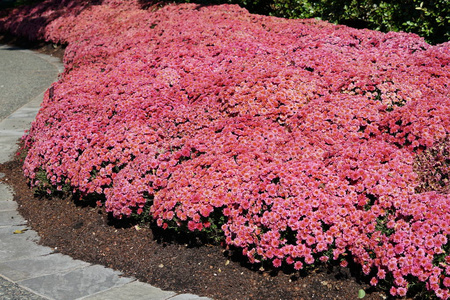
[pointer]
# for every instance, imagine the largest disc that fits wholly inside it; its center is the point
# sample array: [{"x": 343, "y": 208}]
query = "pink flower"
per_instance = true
[
  {"x": 277, "y": 263},
  {"x": 381, "y": 274},
  {"x": 192, "y": 226},
  {"x": 446, "y": 282},
  {"x": 401, "y": 291},
  {"x": 309, "y": 259},
  {"x": 344, "y": 263},
  {"x": 399, "y": 248},
  {"x": 374, "y": 281},
  {"x": 298, "y": 265},
  {"x": 281, "y": 146},
  {"x": 393, "y": 291}
]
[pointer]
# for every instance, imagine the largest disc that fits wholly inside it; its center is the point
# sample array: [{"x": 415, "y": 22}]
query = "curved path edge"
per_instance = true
[{"x": 31, "y": 271}]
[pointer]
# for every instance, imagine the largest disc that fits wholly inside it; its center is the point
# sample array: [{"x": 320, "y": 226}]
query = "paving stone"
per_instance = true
[
  {"x": 75, "y": 284},
  {"x": 19, "y": 246},
  {"x": 188, "y": 297},
  {"x": 11, "y": 218},
  {"x": 8, "y": 145},
  {"x": 134, "y": 290},
  {"x": 6, "y": 193},
  {"x": 8, "y": 205},
  {"x": 10, "y": 135},
  {"x": 16, "y": 124},
  {"x": 27, "y": 111},
  {"x": 40, "y": 266}
]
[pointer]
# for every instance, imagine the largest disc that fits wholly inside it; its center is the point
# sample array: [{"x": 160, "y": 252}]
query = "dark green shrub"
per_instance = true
[{"x": 429, "y": 19}]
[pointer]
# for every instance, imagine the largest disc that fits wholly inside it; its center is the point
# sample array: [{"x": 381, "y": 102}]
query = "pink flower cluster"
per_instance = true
[{"x": 300, "y": 134}]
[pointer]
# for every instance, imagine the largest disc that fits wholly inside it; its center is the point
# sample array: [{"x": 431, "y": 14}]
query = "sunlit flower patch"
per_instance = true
[{"x": 297, "y": 140}]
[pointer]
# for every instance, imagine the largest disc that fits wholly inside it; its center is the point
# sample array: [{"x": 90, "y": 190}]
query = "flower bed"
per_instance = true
[{"x": 296, "y": 140}]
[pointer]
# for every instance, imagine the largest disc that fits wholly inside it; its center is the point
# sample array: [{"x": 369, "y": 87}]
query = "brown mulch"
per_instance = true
[{"x": 179, "y": 263}]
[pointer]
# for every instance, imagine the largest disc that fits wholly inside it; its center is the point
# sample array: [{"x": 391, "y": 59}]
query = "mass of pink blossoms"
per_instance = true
[{"x": 297, "y": 137}]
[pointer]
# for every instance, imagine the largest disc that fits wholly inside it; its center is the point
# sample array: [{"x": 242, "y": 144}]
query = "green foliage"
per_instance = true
[
  {"x": 382, "y": 225},
  {"x": 429, "y": 19},
  {"x": 214, "y": 232},
  {"x": 45, "y": 188}
]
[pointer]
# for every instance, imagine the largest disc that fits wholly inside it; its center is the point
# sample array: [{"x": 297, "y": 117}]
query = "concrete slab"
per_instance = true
[
  {"x": 134, "y": 290},
  {"x": 19, "y": 246},
  {"x": 15, "y": 124},
  {"x": 11, "y": 136},
  {"x": 25, "y": 112},
  {"x": 188, "y": 297},
  {"x": 8, "y": 205},
  {"x": 6, "y": 192},
  {"x": 33, "y": 104},
  {"x": 7, "y": 233},
  {"x": 8, "y": 145},
  {"x": 75, "y": 284},
  {"x": 23, "y": 269},
  {"x": 11, "y": 218},
  {"x": 29, "y": 110}
]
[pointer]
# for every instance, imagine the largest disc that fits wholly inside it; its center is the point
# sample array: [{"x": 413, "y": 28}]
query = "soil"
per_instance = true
[{"x": 162, "y": 258}]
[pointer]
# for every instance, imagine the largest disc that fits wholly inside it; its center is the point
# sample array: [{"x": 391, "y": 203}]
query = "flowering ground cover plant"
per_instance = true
[{"x": 297, "y": 141}]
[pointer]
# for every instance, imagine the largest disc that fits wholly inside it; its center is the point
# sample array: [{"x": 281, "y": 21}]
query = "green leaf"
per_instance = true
[{"x": 361, "y": 294}]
